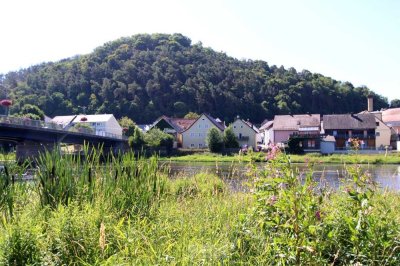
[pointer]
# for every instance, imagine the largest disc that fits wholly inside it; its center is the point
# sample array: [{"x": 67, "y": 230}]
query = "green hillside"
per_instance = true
[{"x": 145, "y": 76}]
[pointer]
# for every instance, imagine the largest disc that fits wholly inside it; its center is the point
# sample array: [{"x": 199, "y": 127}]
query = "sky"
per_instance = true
[{"x": 356, "y": 41}]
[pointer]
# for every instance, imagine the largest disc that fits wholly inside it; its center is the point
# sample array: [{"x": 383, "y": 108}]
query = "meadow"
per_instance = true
[{"x": 126, "y": 211}]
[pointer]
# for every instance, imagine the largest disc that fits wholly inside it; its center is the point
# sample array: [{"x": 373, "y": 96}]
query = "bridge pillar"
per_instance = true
[{"x": 29, "y": 150}]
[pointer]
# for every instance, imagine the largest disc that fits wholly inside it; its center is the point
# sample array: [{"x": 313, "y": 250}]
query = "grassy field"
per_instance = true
[{"x": 127, "y": 212}]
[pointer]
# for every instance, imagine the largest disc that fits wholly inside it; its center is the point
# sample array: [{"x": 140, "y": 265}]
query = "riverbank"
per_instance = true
[{"x": 392, "y": 158}]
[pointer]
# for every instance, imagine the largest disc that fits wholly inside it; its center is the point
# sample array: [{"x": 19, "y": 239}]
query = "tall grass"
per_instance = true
[{"x": 124, "y": 211}]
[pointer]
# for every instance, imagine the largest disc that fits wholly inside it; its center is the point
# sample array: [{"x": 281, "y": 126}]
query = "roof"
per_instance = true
[
  {"x": 266, "y": 125},
  {"x": 77, "y": 118},
  {"x": 295, "y": 122},
  {"x": 65, "y": 119},
  {"x": 178, "y": 124},
  {"x": 349, "y": 121},
  {"x": 329, "y": 138},
  {"x": 219, "y": 125},
  {"x": 391, "y": 115}
]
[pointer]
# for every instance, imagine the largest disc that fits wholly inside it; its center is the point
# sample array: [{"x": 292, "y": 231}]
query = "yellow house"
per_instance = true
[
  {"x": 195, "y": 137},
  {"x": 245, "y": 132}
]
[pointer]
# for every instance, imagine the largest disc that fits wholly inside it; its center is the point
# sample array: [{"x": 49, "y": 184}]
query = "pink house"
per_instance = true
[{"x": 286, "y": 125}]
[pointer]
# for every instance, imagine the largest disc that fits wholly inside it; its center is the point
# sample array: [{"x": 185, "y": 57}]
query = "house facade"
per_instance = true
[
  {"x": 195, "y": 136},
  {"x": 385, "y": 135},
  {"x": 307, "y": 126},
  {"x": 349, "y": 126},
  {"x": 102, "y": 124},
  {"x": 245, "y": 132}
]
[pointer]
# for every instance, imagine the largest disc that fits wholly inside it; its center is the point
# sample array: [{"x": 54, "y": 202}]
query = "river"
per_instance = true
[{"x": 387, "y": 176}]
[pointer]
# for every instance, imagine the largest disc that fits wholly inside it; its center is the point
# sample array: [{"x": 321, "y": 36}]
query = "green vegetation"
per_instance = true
[
  {"x": 393, "y": 158},
  {"x": 126, "y": 212},
  {"x": 230, "y": 140},
  {"x": 146, "y": 76},
  {"x": 215, "y": 141}
]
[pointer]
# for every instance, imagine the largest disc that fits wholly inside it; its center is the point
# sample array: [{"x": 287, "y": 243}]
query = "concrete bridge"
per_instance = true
[{"x": 34, "y": 136}]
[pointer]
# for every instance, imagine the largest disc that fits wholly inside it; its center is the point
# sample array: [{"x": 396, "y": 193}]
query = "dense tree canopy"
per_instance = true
[{"x": 145, "y": 76}]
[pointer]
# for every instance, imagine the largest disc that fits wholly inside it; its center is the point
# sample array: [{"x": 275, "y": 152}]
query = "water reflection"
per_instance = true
[{"x": 387, "y": 176}]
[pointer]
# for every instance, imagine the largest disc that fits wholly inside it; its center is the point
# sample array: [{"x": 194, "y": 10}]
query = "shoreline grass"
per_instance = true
[{"x": 393, "y": 158}]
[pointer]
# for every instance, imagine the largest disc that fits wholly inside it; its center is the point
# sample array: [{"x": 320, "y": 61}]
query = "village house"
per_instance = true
[
  {"x": 173, "y": 126},
  {"x": 385, "y": 135},
  {"x": 345, "y": 127},
  {"x": 195, "y": 136},
  {"x": 306, "y": 126},
  {"x": 102, "y": 124},
  {"x": 391, "y": 117},
  {"x": 245, "y": 132},
  {"x": 267, "y": 132}
]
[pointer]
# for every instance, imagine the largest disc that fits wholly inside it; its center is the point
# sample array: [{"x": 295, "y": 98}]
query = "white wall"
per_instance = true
[{"x": 196, "y": 136}]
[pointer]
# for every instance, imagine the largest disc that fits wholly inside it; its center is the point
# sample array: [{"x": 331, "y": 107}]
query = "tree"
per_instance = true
[
  {"x": 215, "y": 140},
  {"x": 136, "y": 141},
  {"x": 155, "y": 138},
  {"x": 230, "y": 140},
  {"x": 32, "y": 111},
  {"x": 191, "y": 115},
  {"x": 395, "y": 103},
  {"x": 128, "y": 125}
]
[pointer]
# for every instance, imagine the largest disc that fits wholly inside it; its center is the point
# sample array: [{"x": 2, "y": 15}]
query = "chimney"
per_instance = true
[{"x": 370, "y": 103}]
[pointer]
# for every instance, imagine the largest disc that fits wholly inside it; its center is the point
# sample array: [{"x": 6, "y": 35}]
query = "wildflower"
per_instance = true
[
  {"x": 272, "y": 200},
  {"x": 318, "y": 215}
]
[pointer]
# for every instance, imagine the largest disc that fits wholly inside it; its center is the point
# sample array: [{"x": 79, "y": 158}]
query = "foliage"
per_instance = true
[
  {"x": 191, "y": 115},
  {"x": 230, "y": 140},
  {"x": 32, "y": 111},
  {"x": 294, "y": 145},
  {"x": 82, "y": 127},
  {"x": 136, "y": 141},
  {"x": 156, "y": 138},
  {"x": 128, "y": 125},
  {"x": 395, "y": 103},
  {"x": 215, "y": 140},
  {"x": 146, "y": 76}
]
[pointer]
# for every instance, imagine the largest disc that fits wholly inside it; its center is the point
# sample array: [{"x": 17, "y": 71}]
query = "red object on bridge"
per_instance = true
[
  {"x": 83, "y": 118},
  {"x": 6, "y": 103}
]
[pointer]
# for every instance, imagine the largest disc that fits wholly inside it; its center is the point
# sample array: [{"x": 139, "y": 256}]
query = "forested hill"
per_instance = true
[{"x": 145, "y": 76}]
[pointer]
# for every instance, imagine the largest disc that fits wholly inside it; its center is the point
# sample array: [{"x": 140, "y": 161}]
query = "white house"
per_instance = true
[
  {"x": 245, "y": 132},
  {"x": 195, "y": 136},
  {"x": 103, "y": 124}
]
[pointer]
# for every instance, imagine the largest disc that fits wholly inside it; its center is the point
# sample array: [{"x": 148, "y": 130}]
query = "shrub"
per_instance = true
[{"x": 230, "y": 140}]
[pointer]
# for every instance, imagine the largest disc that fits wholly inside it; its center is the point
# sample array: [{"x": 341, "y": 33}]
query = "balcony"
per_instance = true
[{"x": 243, "y": 138}]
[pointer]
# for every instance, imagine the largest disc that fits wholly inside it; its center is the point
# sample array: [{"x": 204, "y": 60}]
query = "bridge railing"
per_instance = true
[{"x": 26, "y": 122}]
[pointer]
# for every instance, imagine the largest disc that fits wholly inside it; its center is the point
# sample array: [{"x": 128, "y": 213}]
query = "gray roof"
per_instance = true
[
  {"x": 349, "y": 121},
  {"x": 295, "y": 122}
]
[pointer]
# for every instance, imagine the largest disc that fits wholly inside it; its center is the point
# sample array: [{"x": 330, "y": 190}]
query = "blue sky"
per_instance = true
[{"x": 356, "y": 41}]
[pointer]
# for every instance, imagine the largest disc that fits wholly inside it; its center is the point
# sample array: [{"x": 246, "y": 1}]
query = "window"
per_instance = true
[
  {"x": 205, "y": 126},
  {"x": 311, "y": 143},
  {"x": 377, "y": 124},
  {"x": 200, "y": 145},
  {"x": 192, "y": 134},
  {"x": 199, "y": 125},
  {"x": 192, "y": 145},
  {"x": 200, "y": 134},
  {"x": 241, "y": 126},
  {"x": 335, "y": 133},
  {"x": 240, "y": 135},
  {"x": 234, "y": 126},
  {"x": 377, "y": 134}
]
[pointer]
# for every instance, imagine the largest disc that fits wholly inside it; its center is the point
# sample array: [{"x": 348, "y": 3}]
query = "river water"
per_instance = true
[{"x": 387, "y": 176}]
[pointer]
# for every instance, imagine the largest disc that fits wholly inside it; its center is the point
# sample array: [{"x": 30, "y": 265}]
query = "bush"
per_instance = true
[{"x": 230, "y": 140}]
